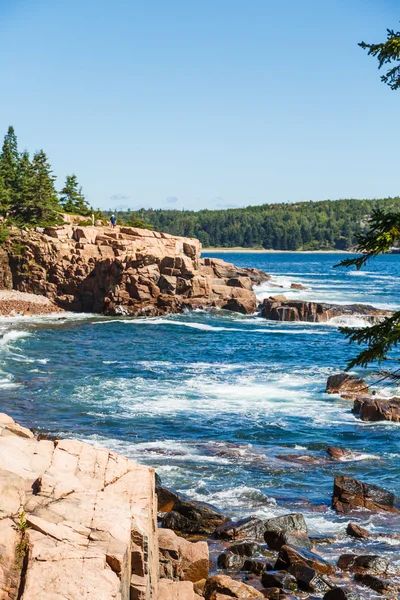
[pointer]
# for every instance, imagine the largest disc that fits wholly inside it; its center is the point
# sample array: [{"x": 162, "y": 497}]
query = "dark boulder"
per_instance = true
[
  {"x": 257, "y": 567},
  {"x": 309, "y": 579},
  {"x": 277, "y": 539},
  {"x": 342, "y": 594},
  {"x": 247, "y": 548},
  {"x": 279, "y": 579},
  {"x": 350, "y": 494},
  {"x": 287, "y": 530},
  {"x": 193, "y": 517},
  {"x": 367, "y": 562},
  {"x": 382, "y": 586},
  {"x": 292, "y": 555},
  {"x": 357, "y": 532},
  {"x": 228, "y": 560},
  {"x": 291, "y": 522},
  {"x": 249, "y": 527}
]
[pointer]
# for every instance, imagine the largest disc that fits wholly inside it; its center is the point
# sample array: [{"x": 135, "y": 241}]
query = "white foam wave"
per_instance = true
[
  {"x": 354, "y": 321},
  {"x": 12, "y": 336}
]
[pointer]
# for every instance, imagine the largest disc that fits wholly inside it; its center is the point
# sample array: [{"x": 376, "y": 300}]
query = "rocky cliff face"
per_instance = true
[
  {"x": 81, "y": 522},
  {"x": 126, "y": 271}
]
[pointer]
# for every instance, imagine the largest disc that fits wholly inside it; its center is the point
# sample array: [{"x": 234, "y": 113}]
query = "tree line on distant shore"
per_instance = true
[
  {"x": 28, "y": 196},
  {"x": 328, "y": 224}
]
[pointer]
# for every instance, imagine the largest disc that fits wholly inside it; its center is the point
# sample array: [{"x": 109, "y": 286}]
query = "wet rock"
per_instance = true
[
  {"x": 345, "y": 384},
  {"x": 286, "y": 530},
  {"x": 382, "y": 586},
  {"x": 279, "y": 579},
  {"x": 282, "y": 309},
  {"x": 222, "y": 584},
  {"x": 350, "y": 494},
  {"x": 273, "y": 593},
  {"x": 256, "y": 566},
  {"x": 193, "y": 517},
  {"x": 246, "y": 548},
  {"x": 277, "y": 539},
  {"x": 310, "y": 579},
  {"x": 166, "y": 499},
  {"x": 377, "y": 409},
  {"x": 342, "y": 594},
  {"x": 229, "y": 560},
  {"x": 366, "y": 562},
  {"x": 249, "y": 527},
  {"x": 181, "y": 560},
  {"x": 339, "y": 453},
  {"x": 357, "y": 532},
  {"x": 298, "y": 286},
  {"x": 291, "y": 555},
  {"x": 290, "y": 522}
]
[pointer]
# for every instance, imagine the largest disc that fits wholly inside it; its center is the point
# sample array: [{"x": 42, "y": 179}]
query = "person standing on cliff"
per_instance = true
[{"x": 113, "y": 221}]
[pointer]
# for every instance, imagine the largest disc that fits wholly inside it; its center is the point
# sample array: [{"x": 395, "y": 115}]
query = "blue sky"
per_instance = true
[{"x": 212, "y": 103}]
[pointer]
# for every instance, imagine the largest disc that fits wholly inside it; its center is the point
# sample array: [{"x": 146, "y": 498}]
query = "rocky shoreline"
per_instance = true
[{"x": 85, "y": 522}]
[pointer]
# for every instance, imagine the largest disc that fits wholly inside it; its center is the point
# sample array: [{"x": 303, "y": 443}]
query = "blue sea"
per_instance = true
[{"x": 215, "y": 400}]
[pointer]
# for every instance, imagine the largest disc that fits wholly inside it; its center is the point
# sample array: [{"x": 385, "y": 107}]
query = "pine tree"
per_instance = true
[
  {"x": 9, "y": 159},
  {"x": 72, "y": 200},
  {"x": 37, "y": 202},
  {"x": 4, "y": 198}
]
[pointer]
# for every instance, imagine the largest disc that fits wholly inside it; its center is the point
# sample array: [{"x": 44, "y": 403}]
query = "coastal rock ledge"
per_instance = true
[
  {"x": 124, "y": 271},
  {"x": 80, "y": 523}
]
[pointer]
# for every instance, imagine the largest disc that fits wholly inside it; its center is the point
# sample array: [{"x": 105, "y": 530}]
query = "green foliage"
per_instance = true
[
  {"x": 383, "y": 233},
  {"x": 322, "y": 225},
  {"x": 9, "y": 158},
  {"x": 4, "y": 234},
  {"x": 135, "y": 222},
  {"x": 72, "y": 200},
  {"x": 37, "y": 202},
  {"x": 387, "y": 52}
]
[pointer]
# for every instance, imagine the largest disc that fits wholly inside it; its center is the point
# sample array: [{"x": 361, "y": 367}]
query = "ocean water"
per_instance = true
[{"x": 214, "y": 401}]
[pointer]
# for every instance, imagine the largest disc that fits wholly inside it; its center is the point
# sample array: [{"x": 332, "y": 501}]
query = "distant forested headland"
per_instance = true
[{"x": 329, "y": 224}]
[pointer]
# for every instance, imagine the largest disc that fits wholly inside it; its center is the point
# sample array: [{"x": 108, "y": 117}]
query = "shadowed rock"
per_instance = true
[
  {"x": 280, "y": 308},
  {"x": 350, "y": 494},
  {"x": 377, "y": 409}
]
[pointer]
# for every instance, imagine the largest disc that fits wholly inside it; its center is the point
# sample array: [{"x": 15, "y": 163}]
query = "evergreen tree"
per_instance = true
[
  {"x": 4, "y": 198},
  {"x": 383, "y": 234},
  {"x": 9, "y": 159},
  {"x": 37, "y": 202},
  {"x": 72, "y": 200}
]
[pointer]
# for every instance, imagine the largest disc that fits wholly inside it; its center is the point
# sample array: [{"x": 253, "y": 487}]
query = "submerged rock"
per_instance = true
[
  {"x": 279, "y": 579},
  {"x": 350, "y": 494}
]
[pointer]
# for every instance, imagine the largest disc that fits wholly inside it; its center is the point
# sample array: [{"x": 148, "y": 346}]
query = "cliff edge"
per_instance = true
[{"x": 123, "y": 271}]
